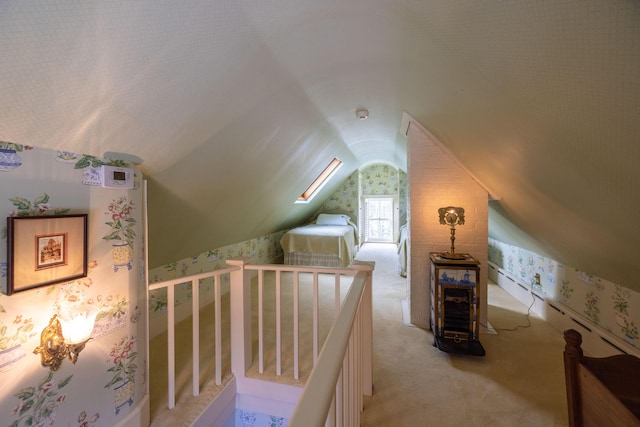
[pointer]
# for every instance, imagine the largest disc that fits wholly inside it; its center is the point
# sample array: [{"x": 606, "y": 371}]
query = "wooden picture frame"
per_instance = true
[{"x": 44, "y": 250}]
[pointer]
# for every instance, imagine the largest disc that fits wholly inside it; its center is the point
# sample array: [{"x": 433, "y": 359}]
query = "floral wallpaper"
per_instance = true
[
  {"x": 380, "y": 180},
  {"x": 108, "y": 380},
  {"x": 256, "y": 419},
  {"x": 123, "y": 357},
  {"x": 38, "y": 404},
  {"x": 122, "y": 231},
  {"x": 385, "y": 180},
  {"x": 608, "y": 305},
  {"x": 377, "y": 179},
  {"x": 265, "y": 249},
  {"x": 346, "y": 197},
  {"x": 403, "y": 190}
]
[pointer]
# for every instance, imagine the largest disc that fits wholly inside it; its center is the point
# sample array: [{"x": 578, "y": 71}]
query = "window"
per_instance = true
[
  {"x": 320, "y": 181},
  {"x": 378, "y": 221}
]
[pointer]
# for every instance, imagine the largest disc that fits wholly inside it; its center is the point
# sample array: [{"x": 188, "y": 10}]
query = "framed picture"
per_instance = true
[{"x": 43, "y": 250}]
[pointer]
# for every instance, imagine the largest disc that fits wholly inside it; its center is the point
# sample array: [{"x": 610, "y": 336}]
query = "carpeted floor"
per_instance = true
[{"x": 520, "y": 381}]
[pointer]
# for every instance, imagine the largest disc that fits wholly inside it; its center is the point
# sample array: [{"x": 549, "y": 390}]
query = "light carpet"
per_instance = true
[{"x": 519, "y": 382}]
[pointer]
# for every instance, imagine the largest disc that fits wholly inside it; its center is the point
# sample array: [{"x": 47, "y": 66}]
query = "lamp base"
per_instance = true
[{"x": 450, "y": 255}]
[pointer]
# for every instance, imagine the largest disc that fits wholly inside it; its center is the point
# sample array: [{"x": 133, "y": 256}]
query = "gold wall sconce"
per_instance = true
[
  {"x": 66, "y": 336},
  {"x": 452, "y": 216}
]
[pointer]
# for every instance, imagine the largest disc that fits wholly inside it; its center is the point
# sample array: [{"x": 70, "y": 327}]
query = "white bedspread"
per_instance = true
[
  {"x": 402, "y": 251},
  {"x": 337, "y": 240}
]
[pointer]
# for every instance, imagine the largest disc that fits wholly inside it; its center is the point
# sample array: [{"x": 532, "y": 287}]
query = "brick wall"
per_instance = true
[{"x": 437, "y": 180}]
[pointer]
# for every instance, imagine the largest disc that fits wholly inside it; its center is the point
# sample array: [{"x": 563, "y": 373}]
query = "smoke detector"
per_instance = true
[{"x": 362, "y": 114}]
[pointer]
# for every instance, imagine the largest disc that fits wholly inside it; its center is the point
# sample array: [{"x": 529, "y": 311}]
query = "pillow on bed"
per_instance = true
[{"x": 332, "y": 219}]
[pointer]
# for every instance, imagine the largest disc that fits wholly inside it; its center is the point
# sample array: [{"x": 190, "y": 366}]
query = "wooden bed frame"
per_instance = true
[{"x": 600, "y": 391}]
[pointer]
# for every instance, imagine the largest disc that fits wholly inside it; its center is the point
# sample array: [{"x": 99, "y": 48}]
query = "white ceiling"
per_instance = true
[{"x": 234, "y": 106}]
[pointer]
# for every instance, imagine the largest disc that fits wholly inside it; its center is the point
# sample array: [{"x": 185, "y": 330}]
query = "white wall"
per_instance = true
[{"x": 436, "y": 180}]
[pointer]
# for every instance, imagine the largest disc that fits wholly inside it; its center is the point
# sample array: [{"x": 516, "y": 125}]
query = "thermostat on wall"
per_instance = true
[{"x": 116, "y": 177}]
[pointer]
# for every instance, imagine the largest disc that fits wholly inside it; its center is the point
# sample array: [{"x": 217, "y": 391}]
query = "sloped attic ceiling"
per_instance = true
[{"x": 235, "y": 106}]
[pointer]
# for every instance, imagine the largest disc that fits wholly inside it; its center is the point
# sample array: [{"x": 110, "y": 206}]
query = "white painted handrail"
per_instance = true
[
  {"x": 194, "y": 280},
  {"x": 240, "y": 272},
  {"x": 342, "y": 374},
  {"x": 278, "y": 270}
]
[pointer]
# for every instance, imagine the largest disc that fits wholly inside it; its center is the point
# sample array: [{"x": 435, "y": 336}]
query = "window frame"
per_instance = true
[{"x": 327, "y": 173}]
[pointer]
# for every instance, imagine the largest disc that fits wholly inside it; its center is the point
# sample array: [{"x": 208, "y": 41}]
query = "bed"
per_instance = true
[
  {"x": 331, "y": 240},
  {"x": 600, "y": 391},
  {"x": 402, "y": 251}
]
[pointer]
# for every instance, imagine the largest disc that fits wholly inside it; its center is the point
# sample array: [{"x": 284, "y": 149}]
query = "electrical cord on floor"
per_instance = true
[{"x": 533, "y": 301}]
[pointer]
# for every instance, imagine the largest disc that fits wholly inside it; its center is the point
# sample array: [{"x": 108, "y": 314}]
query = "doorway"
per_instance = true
[{"x": 379, "y": 223}]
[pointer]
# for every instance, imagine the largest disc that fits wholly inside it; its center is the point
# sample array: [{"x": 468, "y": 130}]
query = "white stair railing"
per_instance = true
[
  {"x": 280, "y": 271},
  {"x": 356, "y": 377},
  {"x": 194, "y": 281},
  {"x": 333, "y": 393}
]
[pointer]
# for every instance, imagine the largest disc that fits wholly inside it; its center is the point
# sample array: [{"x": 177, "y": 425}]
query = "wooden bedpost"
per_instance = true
[{"x": 572, "y": 356}]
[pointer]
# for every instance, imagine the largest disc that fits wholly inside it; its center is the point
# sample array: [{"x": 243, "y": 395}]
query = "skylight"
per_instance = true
[{"x": 320, "y": 181}]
